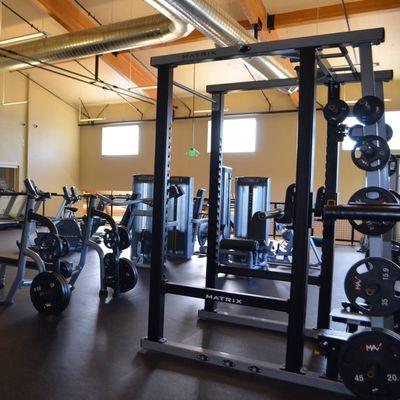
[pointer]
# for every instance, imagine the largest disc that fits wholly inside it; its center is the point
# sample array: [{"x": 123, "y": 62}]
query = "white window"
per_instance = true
[
  {"x": 392, "y": 118},
  {"x": 120, "y": 140},
  {"x": 239, "y": 136}
]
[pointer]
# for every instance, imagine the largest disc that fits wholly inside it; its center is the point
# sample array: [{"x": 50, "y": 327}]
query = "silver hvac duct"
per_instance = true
[
  {"x": 211, "y": 20},
  {"x": 140, "y": 32}
]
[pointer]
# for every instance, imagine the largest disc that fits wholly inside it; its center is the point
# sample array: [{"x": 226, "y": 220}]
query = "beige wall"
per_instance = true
[
  {"x": 275, "y": 156},
  {"x": 42, "y": 137}
]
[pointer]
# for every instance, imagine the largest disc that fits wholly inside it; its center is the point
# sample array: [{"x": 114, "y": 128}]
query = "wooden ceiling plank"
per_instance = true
[
  {"x": 326, "y": 13},
  {"x": 73, "y": 19}
]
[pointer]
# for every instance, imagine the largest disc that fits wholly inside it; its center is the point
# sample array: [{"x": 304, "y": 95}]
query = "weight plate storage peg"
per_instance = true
[
  {"x": 371, "y": 153},
  {"x": 372, "y": 195},
  {"x": 336, "y": 111},
  {"x": 370, "y": 286},
  {"x": 50, "y": 293},
  {"x": 369, "y": 110},
  {"x": 369, "y": 364}
]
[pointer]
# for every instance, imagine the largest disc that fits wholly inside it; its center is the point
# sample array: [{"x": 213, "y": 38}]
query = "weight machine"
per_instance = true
[
  {"x": 343, "y": 351},
  {"x": 183, "y": 218}
]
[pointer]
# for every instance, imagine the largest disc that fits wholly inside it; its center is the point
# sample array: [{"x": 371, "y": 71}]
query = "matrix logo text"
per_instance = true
[{"x": 224, "y": 299}]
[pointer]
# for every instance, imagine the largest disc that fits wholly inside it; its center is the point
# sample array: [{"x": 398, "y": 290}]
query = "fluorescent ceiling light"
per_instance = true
[
  {"x": 355, "y": 101},
  {"x": 143, "y": 87},
  {"x": 23, "y": 38},
  {"x": 91, "y": 119},
  {"x": 207, "y": 111}
]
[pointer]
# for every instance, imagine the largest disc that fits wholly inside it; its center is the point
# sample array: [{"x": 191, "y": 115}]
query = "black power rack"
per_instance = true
[{"x": 313, "y": 69}]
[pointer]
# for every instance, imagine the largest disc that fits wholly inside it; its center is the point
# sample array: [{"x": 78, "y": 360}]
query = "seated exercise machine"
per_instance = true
[
  {"x": 70, "y": 228},
  {"x": 251, "y": 244},
  {"x": 183, "y": 212},
  {"x": 363, "y": 364},
  {"x": 51, "y": 290}
]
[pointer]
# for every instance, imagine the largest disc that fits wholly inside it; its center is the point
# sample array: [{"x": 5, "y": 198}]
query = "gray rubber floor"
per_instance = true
[{"x": 93, "y": 350}]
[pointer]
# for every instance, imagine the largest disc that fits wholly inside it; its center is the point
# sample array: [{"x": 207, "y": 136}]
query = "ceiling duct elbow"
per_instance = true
[
  {"x": 216, "y": 24},
  {"x": 119, "y": 36}
]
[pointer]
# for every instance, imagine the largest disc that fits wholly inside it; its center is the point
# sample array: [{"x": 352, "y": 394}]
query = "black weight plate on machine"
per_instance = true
[
  {"x": 356, "y": 132},
  {"x": 65, "y": 246},
  {"x": 110, "y": 239},
  {"x": 369, "y": 110},
  {"x": 389, "y": 132},
  {"x": 66, "y": 269},
  {"x": 370, "y": 286},
  {"x": 109, "y": 264},
  {"x": 50, "y": 293},
  {"x": 369, "y": 364},
  {"x": 372, "y": 195},
  {"x": 125, "y": 237},
  {"x": 371, "y": 153},
  {"x": 202, "y": 234},
  {"x": 336, "y": 111},
  {"x": 49, "y": 248},
  {"x": 392, "y": 166},
  {"x": 128, "y": 275}
]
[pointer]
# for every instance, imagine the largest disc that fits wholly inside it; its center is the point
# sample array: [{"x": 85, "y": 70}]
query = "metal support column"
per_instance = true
[
  {"x": 301, "y": 225},
  {"x": 328, "y": 229},
  {"x": 161, "y": 184},
  {"x": 368, "y": 86},
  {"x": 214, "y": 195}
]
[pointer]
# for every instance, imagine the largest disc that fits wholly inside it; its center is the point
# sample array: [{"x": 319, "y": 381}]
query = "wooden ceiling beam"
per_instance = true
[
  {"x": 73, "y": 19},
  {"x": 309, "y": 16},
  {"x": 254, "y": 11},
  {"x": 326, "y": 13}
]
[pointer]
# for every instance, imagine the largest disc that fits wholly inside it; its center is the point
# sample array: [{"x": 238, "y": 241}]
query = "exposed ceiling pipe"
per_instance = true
[
  {"x": 135, "y": 33},
  {"x": 211, "y": 20}
]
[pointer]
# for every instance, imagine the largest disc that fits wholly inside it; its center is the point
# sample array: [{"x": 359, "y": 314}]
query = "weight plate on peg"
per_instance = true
[
  {"x": 372, "y": 195},
  {"x": 50, "y": 293},
  {"x": 369, "y": 364},
  {"x": 389, "y": 132},
  {"x": 66, "y": 268},
  {"x": 370, "y": 286},
  {"x": 109, "y": 262},
  {"x": 50, "y": 248},
  {"x": 125, "y": 238},
  {"x": 371, "y": 153},
  {"x": 369, "y": 110},
  {"x": 356, "y": 132},
  {"x": 110, "y": 238},
  {"x": 128, "y": 275},
  {"x": 336, "y": 111},
  {"x": 202, "y": 234},
  {"x": 65, "y": 246},
  {"x": 392, "y": 166}
]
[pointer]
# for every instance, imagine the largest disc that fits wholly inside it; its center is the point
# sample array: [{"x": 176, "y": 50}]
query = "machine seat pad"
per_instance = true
[{"x": 239, "y": 244}]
